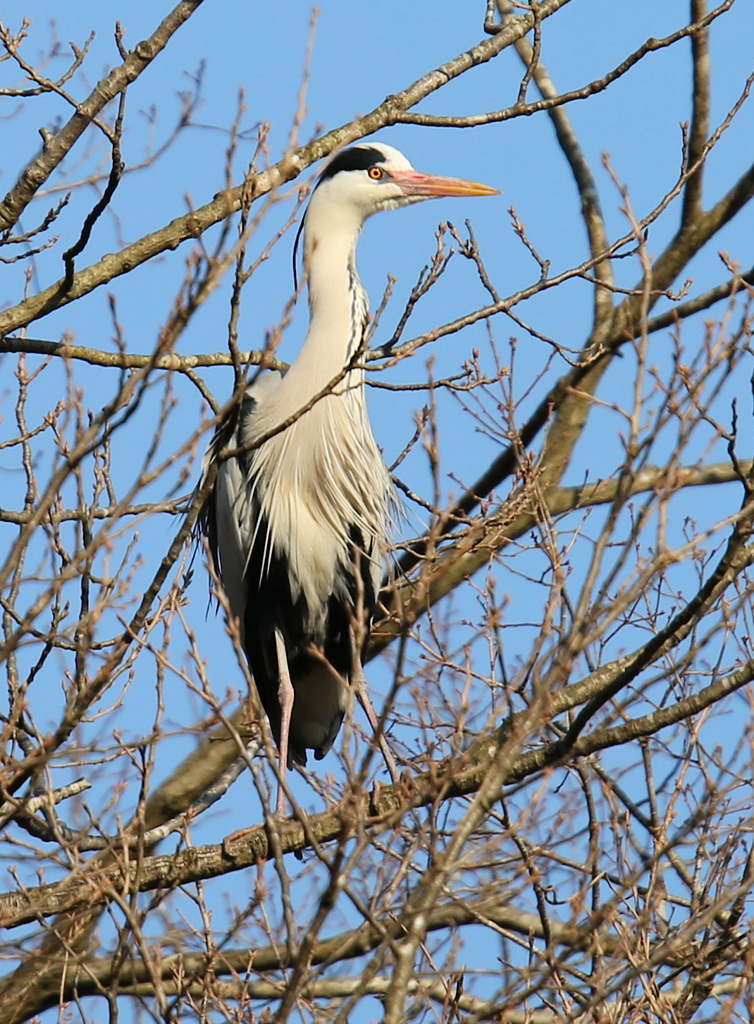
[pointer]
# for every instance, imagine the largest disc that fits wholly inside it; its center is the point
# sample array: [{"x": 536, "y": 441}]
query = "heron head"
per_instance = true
[{"x": 374, "y": 176}]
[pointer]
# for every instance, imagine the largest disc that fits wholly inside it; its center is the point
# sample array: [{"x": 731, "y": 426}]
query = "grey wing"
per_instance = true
[{"x": 225, "y": 520}]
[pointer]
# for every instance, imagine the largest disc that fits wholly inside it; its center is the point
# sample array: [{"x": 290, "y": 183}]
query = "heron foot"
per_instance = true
[{"x": 234, "y": 837}]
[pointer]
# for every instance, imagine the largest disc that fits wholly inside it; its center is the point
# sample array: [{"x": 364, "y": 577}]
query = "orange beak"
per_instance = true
[{"x": 414, "y": 183}]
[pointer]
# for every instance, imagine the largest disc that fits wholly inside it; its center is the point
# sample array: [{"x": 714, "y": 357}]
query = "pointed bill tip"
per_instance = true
[{"x": 415, "y": 183}]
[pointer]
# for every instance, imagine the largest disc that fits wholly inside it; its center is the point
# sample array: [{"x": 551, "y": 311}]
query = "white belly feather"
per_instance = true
[{"x": 315, "y": 481}]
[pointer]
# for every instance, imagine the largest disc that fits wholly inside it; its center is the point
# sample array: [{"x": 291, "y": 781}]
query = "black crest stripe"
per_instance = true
[{"x": 358, "y": 158}]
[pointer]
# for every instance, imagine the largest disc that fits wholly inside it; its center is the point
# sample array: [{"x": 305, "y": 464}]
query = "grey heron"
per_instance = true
[{"x": 297, "y": 521}]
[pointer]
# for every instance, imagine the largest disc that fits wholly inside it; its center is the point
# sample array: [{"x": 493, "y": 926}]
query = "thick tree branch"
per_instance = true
[
  {"x": 135, "y": 360},
  {"x": 692, "y": 198}
]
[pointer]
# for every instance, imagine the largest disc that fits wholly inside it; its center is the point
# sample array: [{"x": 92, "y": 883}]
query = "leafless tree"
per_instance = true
[{"x": 563, "y": 653}]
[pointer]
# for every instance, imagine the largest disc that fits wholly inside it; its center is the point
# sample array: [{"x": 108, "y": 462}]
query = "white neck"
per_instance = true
[{"x": 337, "y": 301}]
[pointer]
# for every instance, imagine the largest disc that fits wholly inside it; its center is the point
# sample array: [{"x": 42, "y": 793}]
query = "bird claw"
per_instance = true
[
  {"x": 232, "y": 838},
  {"x": 407, "y": 783},
  {"x": 374, "y": 798}
]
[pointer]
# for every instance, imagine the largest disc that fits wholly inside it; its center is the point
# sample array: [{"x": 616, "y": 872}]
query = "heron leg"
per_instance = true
[
  {"x": 359, "y": 683},
  {"x": 285, "y": 697}
]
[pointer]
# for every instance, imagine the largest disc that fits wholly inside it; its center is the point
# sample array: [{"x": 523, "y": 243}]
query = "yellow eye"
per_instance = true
[{"x": 375, "y": 173}]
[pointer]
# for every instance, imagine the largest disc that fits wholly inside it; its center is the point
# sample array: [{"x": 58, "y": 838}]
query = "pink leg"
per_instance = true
[{"x": 285, "y": 696}]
